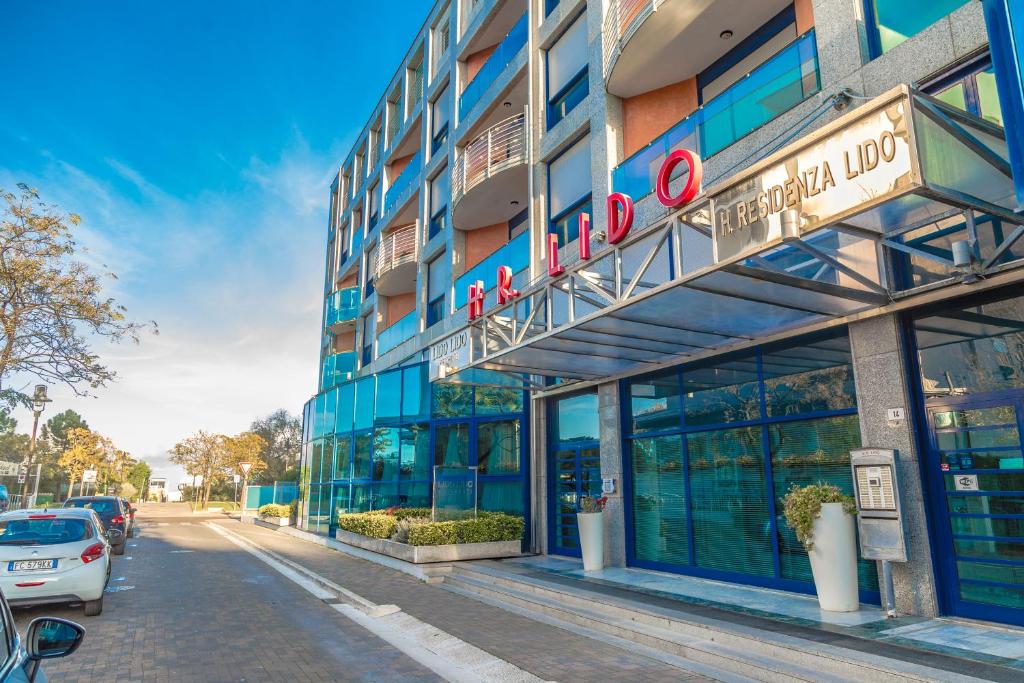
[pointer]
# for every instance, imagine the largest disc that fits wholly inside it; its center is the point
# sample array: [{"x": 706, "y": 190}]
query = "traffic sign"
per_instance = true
[
  {"x": 89, "y": 476},
  {"x": 245, "y": 467},
  {"x": 236, "y": 478},
  {"x": 21, "y": 478}
]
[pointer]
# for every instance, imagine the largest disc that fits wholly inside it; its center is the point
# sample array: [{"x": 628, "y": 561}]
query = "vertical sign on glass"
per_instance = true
[{"x": 455, "y": 490}]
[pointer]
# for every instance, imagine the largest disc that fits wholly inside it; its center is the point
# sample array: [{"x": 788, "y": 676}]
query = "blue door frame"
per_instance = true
[
  {"x": 944, "y": 550},
  {"x": 585, "y": 460}
]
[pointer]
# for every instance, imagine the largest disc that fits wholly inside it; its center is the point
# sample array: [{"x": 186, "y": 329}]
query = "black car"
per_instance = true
[{"x": 112, "y": 513}]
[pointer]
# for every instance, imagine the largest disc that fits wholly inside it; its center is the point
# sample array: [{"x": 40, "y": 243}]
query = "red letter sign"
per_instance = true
[
  {"x": 476, "y": 300},
  {"x": 692, "y": 181},
  {"x": 584, "y": 236},
  {"x": 618, "y": 227},
  {"x": 553, "y": 267},
  {"x": 505, "y": 291}
]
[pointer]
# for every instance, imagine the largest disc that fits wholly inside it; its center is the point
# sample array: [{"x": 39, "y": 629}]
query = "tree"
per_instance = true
[
  {"x": 7, "y": 423},
  {"x": 282, "y": 432},
  {"x": 87, "y": 451},
  {"x": 55, "y": 431},
  {"x": 50, "y": 302},
  {"x": 202, "y": 455},
  {"x": 246, "y": 447},
  {"x": 138, "y": 476}
]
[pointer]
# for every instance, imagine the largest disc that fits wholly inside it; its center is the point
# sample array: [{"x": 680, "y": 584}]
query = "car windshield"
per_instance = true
[
  {"x": 48, "y": 531},
  {"x": 100, "y": 506}
]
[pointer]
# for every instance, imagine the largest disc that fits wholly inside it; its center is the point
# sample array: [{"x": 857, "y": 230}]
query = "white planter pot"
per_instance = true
[
  {"x": 834, "y": 559},
  {"x": 591, "y": 525}
]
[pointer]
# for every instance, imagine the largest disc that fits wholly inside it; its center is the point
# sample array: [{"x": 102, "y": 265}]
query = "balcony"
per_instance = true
[
  {"x": 400, "y": 188},
  {"x": 342, "y": 309},
  {"x": 406, "y": 328},
  {"x": 394, "y": 262},
  {"x": 648, "y": 44},
  {"x": 515, "y": 255},
  {"x": 506, "y": 51},
  {"x": 337, "y": 368},
  {"x": 779, "y": 84},
  {"x": 490, "y": 177}
]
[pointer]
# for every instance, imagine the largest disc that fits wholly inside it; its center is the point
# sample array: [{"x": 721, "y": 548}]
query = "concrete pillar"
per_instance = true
[
  {"x": 611, "y": 466},
  {"x": 878, "y": 361},
  {"x": 539, "y": 479}
]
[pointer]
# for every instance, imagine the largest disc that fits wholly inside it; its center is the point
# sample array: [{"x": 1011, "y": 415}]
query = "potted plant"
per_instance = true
[
  {"x": 591, "y": 525},
  {"x": 821, "y": 515}
]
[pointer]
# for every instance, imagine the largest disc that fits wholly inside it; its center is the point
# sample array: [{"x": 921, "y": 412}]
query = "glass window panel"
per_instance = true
[
  {"x": 362, "y": 458},
  {"x": 385, "y": 454},
  {"x": 993, "y": 595},
  {"x": 451, "y": 445},
  {"x": 655, "y": 403},
  {"x": 315, "y": 461},
  {"x": 438, "y": 276},
  {"x": 342, "y": 501},
  {"x": 330, "y": 411},
  {"x": 731, "y": 524},
  {"x": 988, "y": 97},
  {"x": 383, "y": 496},
  {"x": 989, "y": 550},
  {"x": 972, "y": 349},
  {"x": 495, "y": 401},
  {"x": 988, "y": 526},
  {"x": 498, "y": 447},
  {"x": 452, "y": 400},
  {"x": 955, "y": 95},
  {"x": 319, "y": 427},
  {"x": 577, "y": 418},
  {"x": 898, "y": 20},
  {"x": 346, "y": 393},
  {"x": 415, "y": 495},
  {"x": 364, "y": 403},
  {"x": 343, "y": 457},
  {"x": 722, "y": 393},
  {"x": 389, "y": 396},
  {"x": 415, "y": 393},
  {"x": 440, "y": 189},
  {"x": 501, "y": 496},
  {"x": 986, "y": 505},
  {"x": 811, "y": 378},
  {"x": 361, "y": 496},
  {"x": 415, "y": 452},
  {"x": 660, "y": 526},
  {"x": 569, "y": 177},
  {"x": 567, "y": 56},
  {"x": 982, "y": 460},
  {"x": 442, "y": 108}
]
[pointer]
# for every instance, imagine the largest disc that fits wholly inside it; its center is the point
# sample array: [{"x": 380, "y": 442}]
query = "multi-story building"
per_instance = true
[{"x": 526, "y": 275}]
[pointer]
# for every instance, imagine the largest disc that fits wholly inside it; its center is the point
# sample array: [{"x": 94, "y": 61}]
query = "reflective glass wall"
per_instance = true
[
  {"x": 713, "y": 448},
  {"x": 373, "y": 442}
]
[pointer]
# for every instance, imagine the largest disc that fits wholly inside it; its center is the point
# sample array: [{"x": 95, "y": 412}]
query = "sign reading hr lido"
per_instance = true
[{"x": 620, "y": 220}]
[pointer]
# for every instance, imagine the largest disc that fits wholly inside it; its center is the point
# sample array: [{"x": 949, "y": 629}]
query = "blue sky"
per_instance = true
[{"x": 197, "y": 140}]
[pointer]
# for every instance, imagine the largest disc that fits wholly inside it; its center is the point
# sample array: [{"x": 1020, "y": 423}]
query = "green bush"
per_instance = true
[
  {"x": 802, "y": 505},
  {"x": 487, "y": 528},
  {"x": 274, "y": 510},
  {"x": 406, "y": 513},
  {"x": 433, "y": 533},
  {"x": 371, "y": 524}
]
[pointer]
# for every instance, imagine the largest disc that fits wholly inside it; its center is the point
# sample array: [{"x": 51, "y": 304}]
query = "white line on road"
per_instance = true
[{"x": 444, "y": 654}]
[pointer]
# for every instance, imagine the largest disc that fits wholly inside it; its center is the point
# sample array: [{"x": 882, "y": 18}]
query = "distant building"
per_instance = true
[{"x": 157, "y": 490}]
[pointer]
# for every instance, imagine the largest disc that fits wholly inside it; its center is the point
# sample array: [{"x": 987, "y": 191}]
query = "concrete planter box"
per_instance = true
[
  {"x": 274, "y": 521},
  {"x": 422, "y": 554}
]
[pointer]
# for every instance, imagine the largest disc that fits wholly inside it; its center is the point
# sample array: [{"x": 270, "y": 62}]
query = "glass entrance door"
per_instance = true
[
  {"x": 976, "y": 472},
  {"x": 574, "y": 472}
]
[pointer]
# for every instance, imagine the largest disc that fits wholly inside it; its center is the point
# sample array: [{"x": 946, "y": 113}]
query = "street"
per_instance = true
[{"x": 188, "y": 603}]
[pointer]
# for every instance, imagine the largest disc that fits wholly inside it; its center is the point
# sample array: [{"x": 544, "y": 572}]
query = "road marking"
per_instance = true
[
  {"x": 117, "y": 589},
  {"x": 120, "y": 578},
  {"x": 182, "y": 551},
  {"x": 444, "y": 654}
]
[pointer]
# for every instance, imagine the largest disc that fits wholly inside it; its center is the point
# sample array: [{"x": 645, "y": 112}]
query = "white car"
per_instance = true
[{"x": 58, "y": 555}]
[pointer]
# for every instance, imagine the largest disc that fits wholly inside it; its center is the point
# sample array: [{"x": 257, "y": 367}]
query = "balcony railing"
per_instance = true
[
  {"x": 515, "y": 255},
  {"x": 774, "y": 87},
  {"x": 415, "y": 89},
  {"x": 506, "y": 51},
  {"x": 623, "y": 18},
  {"x": 408, "y": 175},
  {"x": 405, "y": 328},
  {"x": 343, "y": 306},
  {"x": 396, "y": 248},
  {"x": 501, "y": 147},
  {"x": 337, "y": 368}
]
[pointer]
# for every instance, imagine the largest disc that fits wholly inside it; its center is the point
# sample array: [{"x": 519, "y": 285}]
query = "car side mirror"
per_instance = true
[{"x": 50, "y": 638}]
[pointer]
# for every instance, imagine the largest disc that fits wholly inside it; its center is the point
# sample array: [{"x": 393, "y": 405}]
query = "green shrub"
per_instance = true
[
  {"x": 488, "y": 527},
  {"x": 274, "y": 510},
  {"x": 802, "y": 505},
  {"x": 433, "y": 533},
  {"x": 406, "y": 513},
  {"x": 371, "y": 524}
]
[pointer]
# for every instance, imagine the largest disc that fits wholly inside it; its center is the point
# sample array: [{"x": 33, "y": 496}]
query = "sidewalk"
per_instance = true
[{"x": 546, "y": 651}]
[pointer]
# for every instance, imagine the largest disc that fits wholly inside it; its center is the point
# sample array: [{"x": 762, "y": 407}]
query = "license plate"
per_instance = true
[{"x": 23, "y": 565}]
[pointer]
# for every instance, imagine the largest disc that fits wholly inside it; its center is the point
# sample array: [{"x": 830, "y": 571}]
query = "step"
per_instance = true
[{"x": 734, "y": 647}]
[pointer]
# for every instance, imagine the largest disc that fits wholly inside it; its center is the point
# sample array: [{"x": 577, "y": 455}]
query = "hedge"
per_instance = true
[
  {"x": 487, "y": 527},
  {"x": 372, "y": 524},
  {"x": 274, "y": 510}
]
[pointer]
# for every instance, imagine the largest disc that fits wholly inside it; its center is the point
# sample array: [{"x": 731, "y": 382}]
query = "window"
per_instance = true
[
  {"x": 441, "y": 109},
  {"x": 549, "y": 6},
  {"x": 567, "y": 72},
  {"x": 374, "y": 205},
  {"x": 438, "y": 281},
  {"x": 440, "y": 190},
  {"x": 890, "y": 22},
  {"x": 751, "y": 52},
  {"x": 569, "y": 191},
  {"x": 971, "y": 88},
  {"x": 368, "y": 334},
  {"x": 440, "y": 38}
]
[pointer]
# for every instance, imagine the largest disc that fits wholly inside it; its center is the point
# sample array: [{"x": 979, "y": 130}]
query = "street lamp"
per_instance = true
[{"x": 39, "y": 402}]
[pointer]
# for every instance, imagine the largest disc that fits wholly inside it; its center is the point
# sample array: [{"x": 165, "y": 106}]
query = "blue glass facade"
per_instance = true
[{"x": 373, "y": 442}]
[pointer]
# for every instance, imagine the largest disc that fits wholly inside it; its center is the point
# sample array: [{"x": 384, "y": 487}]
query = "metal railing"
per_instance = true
[
  {"x": 343, "y": 306},
  {"x": 408, "y": 175},
  {"x": 337, "y": 368},
  {"x": 623, "y": 18},
  {"x": 415, "y": 89},
  {"x": 506, "y": 51},
  {"x": 396, "y": 248},
  {"x": 515, "y": 255},
  {"x": 501, "y": 147}
]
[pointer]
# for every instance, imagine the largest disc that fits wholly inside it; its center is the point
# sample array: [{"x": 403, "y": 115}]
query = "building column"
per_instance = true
[
  {"x": 882, "y": 383},
  {"x": 539, "y": 480},
  {"x": 611, "y": 466}
]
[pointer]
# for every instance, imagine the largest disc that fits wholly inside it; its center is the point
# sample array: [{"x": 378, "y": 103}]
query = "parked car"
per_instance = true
[
  {"x": 5, "y": 498},
  {"x": 46, "y": 638},
  {"x": 58, "y": 555},
  {"x": 112, "y": 513},
  {"x": 130, "y": 511}
]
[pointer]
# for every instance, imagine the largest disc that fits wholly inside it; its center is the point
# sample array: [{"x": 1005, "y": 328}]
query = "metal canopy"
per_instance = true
[{"x": 660, "y": 297}]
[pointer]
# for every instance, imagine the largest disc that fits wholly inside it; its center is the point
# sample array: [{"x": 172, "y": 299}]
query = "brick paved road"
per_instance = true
[{"x": 201, "y": 609}]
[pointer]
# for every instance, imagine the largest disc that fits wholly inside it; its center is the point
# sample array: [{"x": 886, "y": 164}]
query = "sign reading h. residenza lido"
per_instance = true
[
  {"x": 864, "y": 162},
  {"x": 448, "y": 354}
]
